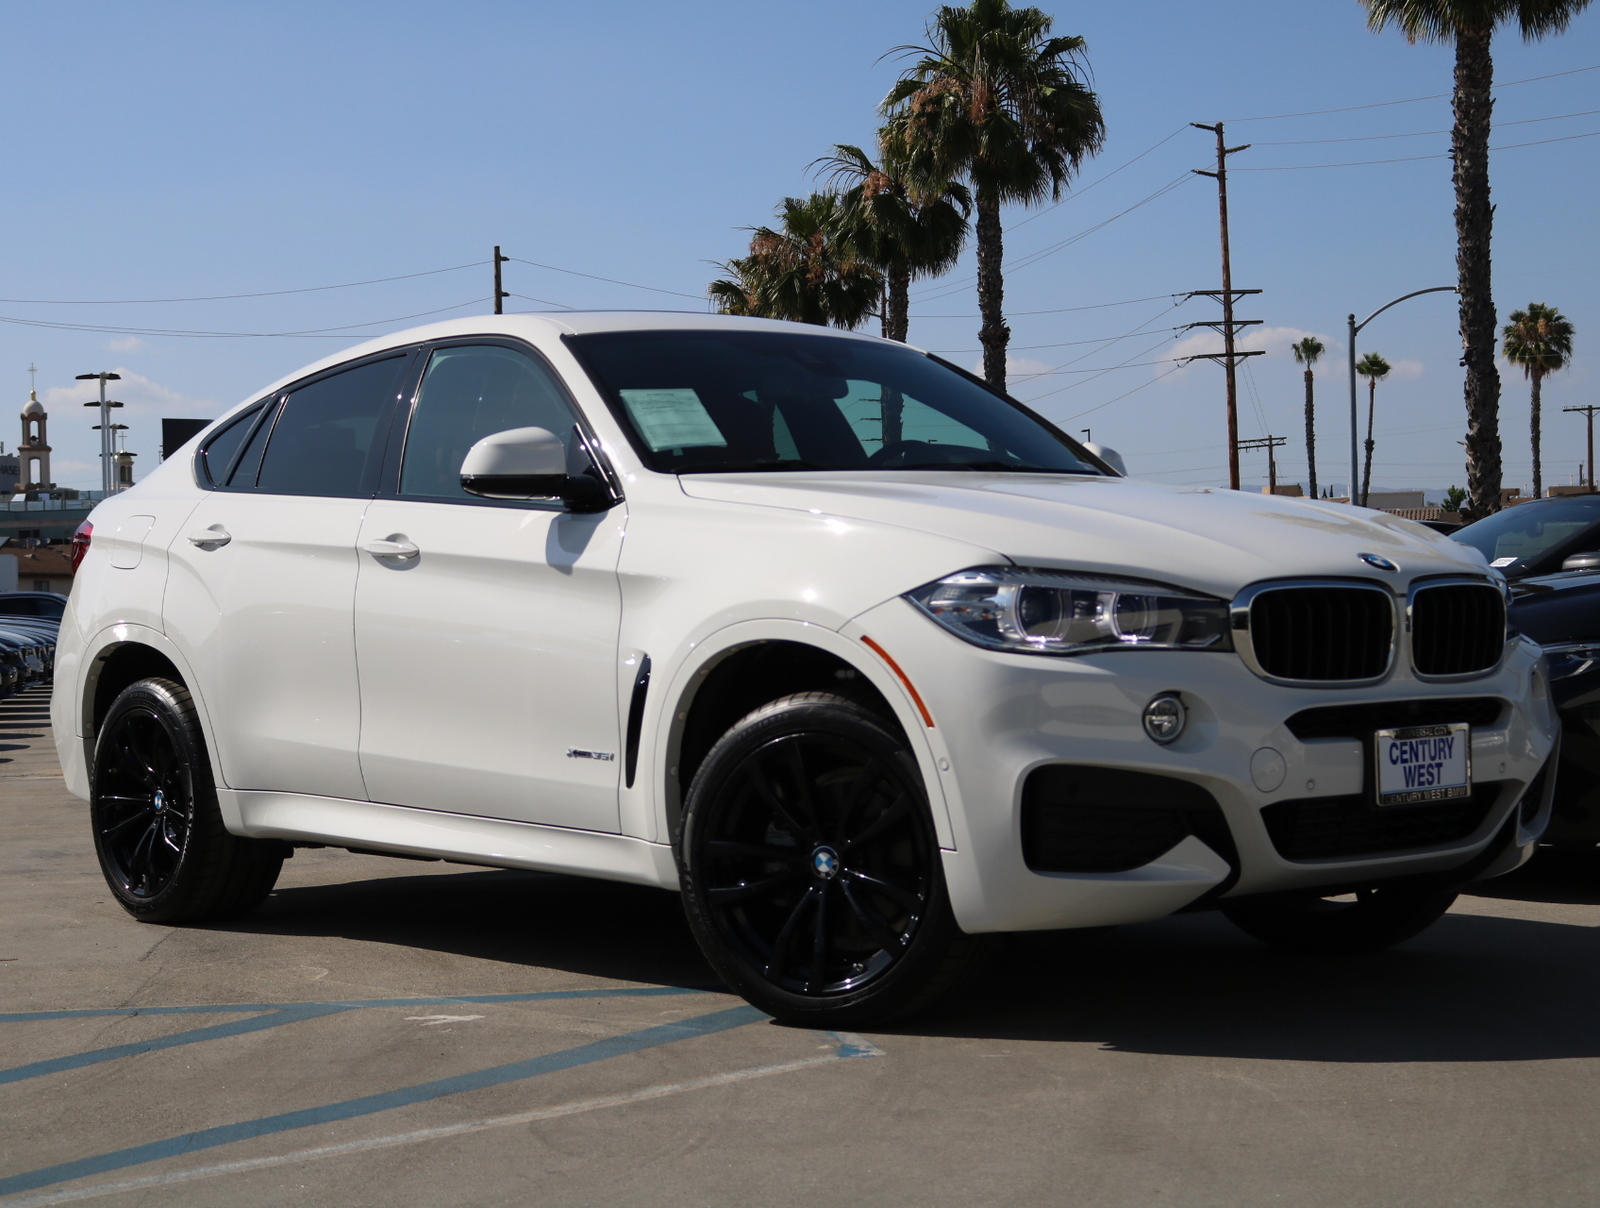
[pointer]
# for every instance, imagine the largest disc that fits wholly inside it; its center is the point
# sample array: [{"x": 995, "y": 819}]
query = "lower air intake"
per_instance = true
[{"x": 1090, "y": 819}]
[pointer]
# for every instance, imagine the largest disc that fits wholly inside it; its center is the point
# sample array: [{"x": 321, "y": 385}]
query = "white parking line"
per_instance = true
[{"x": 850, "y": 1046}]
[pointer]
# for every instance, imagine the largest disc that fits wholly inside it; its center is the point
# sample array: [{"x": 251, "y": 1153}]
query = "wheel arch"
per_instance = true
[
  {"x": 745, "y": 666},
  {"x": 123, "y": 655}
]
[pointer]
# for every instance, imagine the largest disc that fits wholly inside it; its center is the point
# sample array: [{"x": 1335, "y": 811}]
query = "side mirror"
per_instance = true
[
  {"x": 529, "y": 463},
  {"x": 1589, "y": 561}
]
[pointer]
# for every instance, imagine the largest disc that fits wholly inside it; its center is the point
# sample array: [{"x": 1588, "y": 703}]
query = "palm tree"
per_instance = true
[
  {"x": 999, "y": 102},
  {"x": 807, "y": 270},
  {"x": 1374, "y": 368},
  {"x": 1306, "y": 353},
  {"x": 1470, "y": 25},
  {"x": 1540, "y": 340},
  {"x": 903, "y": 230}
]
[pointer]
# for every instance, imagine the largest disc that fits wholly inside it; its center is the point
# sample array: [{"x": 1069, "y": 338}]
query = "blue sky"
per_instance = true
[{"x": 172, "y": 150}]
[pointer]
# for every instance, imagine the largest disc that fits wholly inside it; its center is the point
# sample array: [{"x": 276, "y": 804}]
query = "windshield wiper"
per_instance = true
[
  {"x": 1004, "y": 467},
  {"x": 747, "y": 467}
]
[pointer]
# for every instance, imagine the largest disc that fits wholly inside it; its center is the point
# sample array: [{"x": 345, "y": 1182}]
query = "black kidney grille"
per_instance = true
[
  {"x": 1457, "y": 628},
  {"x": 1322, "y": 633}
]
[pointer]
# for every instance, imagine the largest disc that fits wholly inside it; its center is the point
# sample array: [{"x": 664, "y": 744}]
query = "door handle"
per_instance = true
[
  {"x": 217, "y": 536},
  {"x": 392, "y": 547}
]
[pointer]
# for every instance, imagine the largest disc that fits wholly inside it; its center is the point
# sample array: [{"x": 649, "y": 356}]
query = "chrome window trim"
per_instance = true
[
  {"x": 1420, "y": 585},
  {"x": 1239, "y": 623}
]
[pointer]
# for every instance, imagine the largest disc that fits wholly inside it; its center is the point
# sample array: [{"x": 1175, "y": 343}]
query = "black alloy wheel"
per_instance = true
[
  {"x": 1375, "y": 917},
  {"x": 145, "y": 796},
  {"x": 812, "y": 873},
  {"x": 157, "y": 827}
]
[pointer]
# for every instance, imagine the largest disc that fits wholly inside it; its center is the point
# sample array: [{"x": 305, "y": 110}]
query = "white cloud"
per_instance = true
[
  {"x": 126, "y": 344},
  {"x": 1274, "y": 341},
  {"x": 1405, "y": 370},
  {"x": 1016, "y": 368},
  {"x": 139, "y": 395}
]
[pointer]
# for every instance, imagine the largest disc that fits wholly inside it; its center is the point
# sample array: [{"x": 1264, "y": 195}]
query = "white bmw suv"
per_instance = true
[{"x": 864, "y": 658}]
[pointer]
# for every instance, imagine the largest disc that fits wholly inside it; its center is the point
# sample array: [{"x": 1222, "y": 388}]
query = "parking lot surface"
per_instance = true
[{"x": 385, "y": 1031}]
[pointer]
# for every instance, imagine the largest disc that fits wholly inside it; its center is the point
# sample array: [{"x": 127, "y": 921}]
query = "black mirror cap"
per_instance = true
[
  {"x": 1586, "y": 561},
  {"x": 580, "y": 493}
]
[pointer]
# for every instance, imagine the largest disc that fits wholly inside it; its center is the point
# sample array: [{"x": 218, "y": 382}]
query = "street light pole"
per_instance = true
[
  {"x": 106, "y": 444},
  {"x": 1353, "y": 330}
]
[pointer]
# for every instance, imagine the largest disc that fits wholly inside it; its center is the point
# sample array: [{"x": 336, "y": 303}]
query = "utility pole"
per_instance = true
[
  {"x": 107, "y": 470},
  {"x": 1269, "y": 443},
  {"x": 499, "y": 294},
  {"x": 1229, "y": 357},
  {"x": 1588, "y": 411}
]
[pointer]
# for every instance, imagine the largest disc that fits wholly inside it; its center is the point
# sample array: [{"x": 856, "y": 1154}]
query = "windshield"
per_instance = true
[
  {"x": 1529, "y": 531},
  {"x": 710, "y": 401}
]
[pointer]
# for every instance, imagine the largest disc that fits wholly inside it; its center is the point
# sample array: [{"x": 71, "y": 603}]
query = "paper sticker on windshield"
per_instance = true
[
  {"x": 1502, "y": 562},
  {"x": 672, "y": 419}
]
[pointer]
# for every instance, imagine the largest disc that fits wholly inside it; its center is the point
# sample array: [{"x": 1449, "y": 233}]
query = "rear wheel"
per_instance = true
[
  {"x": 811, "y": 873},
  {"x": 157, "y": 828},
  {"x": 1364, "y": 921}
]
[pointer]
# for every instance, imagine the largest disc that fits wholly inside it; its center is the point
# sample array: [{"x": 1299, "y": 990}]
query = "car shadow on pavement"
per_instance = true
[
  {"x": 594, "y": 928},
  {"x": 1564, "y": 875},
  {"x": 1474, "y": 987}
]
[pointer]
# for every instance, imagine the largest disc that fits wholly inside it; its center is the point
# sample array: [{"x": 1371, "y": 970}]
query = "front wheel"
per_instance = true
[
  {"x": 157, "y": 829},
  {"x": 811, "y": 873},
  {"x": 1379, "y": 916}
]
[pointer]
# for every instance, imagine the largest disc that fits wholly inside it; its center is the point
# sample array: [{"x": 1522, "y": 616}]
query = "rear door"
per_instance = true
[
  {"x": 486, "y": 632},
  {"x": 262, "y": 586}
]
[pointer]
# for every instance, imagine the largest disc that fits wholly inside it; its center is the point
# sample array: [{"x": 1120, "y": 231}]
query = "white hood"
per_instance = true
[{"x": 1207, "y": 539}]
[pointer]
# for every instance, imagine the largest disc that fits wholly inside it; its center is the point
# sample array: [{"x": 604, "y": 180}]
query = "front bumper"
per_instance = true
[{"x": 998, "y": 717}]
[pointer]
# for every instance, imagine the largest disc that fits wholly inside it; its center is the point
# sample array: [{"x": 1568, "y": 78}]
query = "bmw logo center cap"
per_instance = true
[
  {"x": 159, "y": 801},
  {"x": 825, "y": 863},
  {"x": 1380, "y": 563}
]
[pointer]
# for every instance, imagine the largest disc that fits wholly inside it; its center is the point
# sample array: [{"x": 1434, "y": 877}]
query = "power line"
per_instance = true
[
  {"x": 1372, "y": 138},
  {"x": 609, "y": 280},
  {"x": 1414, "y": 158},
  {"x": 271, "y": 293},
  {"x": 1062, "y": 310},
  {"x": 1032, "y": 258},
  {"x": 542, "y": 301},
  {"x": 1077, "y": 193},
  {"x": 163, "y": 331},
  {"x": 1272, "y": 117},
  {"x": 1124, "y": 395}
]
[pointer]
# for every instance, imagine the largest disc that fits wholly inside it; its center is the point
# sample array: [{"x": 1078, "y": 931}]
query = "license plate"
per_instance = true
[{"x": 1423, "y": 763}]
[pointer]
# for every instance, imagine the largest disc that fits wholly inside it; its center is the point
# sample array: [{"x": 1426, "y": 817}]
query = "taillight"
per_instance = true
[{"x": 80, "y": 544}]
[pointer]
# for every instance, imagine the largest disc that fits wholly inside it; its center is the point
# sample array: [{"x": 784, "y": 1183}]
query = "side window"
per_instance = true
[
  {"x": 325, "y": 439},
  {"x": 218, "y": 452},
  {"x": 468, "y": 393}
]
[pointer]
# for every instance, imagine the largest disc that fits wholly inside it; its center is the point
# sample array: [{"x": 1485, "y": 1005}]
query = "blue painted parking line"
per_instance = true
[
  {"x": 275, "y": 1015},
  {"x": 354, "y": 1003},
  {"x": 516, "y": 1071}
]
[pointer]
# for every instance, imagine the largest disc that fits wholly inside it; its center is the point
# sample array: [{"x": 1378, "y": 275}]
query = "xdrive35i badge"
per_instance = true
[{"x": 1380, "y": 563}]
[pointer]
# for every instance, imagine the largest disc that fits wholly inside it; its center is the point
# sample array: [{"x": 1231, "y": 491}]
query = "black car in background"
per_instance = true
[{"x": 1549, "y": 550}]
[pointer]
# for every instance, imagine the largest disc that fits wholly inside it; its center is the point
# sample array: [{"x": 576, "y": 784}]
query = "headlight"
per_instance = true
[
  {"x": 1058, "y": 612},
  {"x": 1570, "y": 658}
]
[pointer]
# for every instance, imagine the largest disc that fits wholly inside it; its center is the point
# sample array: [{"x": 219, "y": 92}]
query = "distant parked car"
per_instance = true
[
  {"x": 1550, "y": 551},
  {"x": 1540, "y": 537},
  {"x": 46, "y": 604}
]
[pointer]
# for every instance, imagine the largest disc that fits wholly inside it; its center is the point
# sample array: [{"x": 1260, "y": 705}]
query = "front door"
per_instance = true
[
  {"x": 262, "y": 587},
  {"x": 488, "y": 655}
]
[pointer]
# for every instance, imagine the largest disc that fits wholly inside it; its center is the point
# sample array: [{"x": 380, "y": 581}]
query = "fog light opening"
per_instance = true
[{"x": 1164, "y": 718}]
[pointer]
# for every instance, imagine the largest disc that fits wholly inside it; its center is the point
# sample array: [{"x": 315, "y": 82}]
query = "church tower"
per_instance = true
[{"x": 34, "y": 451}]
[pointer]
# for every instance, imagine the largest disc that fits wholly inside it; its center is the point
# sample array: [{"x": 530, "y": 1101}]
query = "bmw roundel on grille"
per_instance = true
[{"x": 1380, "y": 563}]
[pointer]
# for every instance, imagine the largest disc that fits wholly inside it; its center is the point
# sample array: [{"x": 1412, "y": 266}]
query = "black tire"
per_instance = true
[
  {"x": 811, "y": 874},
  {"x": 1378, "y": 917},
  {"x": 157, "y": 829}
]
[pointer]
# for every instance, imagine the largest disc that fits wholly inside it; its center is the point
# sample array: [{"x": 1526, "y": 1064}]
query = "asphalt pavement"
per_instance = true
[{"x": 391, "y": 1032}]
